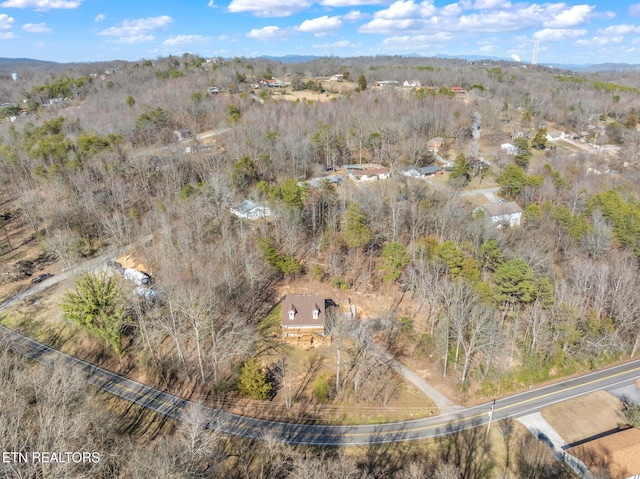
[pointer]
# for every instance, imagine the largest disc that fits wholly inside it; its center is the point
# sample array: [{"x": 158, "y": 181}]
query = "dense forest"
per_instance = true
[{"x": 89, "y": 164}]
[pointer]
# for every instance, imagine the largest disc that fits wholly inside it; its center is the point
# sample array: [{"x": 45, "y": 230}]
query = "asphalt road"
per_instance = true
[{"x": 326, "y": 435}]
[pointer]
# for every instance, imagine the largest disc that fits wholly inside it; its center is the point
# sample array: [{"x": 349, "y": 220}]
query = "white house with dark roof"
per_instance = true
[
  {"x": 331, "y": 180},
  {"x": 373, "y": 174},
  {"x": 504, "y": 214},
  {"x": 250, "y": 210},
  {"x": 422, "y": 172}
]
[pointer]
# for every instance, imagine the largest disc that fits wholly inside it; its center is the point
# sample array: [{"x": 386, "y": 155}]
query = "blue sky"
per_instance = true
[{"x": 97, "y": 30}]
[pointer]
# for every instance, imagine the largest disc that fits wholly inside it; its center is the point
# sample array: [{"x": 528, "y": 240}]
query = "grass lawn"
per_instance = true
[{"x": 584, "y": 416}]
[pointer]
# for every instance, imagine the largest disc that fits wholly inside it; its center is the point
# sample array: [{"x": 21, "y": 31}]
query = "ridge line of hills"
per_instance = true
[{"x": 305, "y": 58}]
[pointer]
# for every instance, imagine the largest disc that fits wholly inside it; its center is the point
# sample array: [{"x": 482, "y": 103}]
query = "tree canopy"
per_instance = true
[
  {"x": 97, "y": 304},
  {"x": 394, "y": 260},
  {"x": 252, "y": 382},
  {"x": 356, "y": 231}
]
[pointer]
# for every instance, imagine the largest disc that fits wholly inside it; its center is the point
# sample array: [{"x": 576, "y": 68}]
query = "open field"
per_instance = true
[{"x": 585, "y": 416}]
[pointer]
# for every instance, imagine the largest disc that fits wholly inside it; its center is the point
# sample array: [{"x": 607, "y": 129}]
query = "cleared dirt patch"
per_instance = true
[{"x": 585, "y": 416}]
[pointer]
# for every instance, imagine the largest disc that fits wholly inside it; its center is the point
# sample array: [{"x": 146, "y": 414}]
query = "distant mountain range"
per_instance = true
[
  {"x": 291, "y": 58},
  {"x": 479, "y": 58},
  {"x": 17, "y": 62},
  {"x": 22, "y": 61}
]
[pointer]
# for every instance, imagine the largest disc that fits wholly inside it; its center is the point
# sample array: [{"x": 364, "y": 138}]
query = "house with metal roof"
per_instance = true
[
  {"x": 422, "y": 172},
  {"x": 331, "y": 180},
  {"x": 250, "y": 210}
]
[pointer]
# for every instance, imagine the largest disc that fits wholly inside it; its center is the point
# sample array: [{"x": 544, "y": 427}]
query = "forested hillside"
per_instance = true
[{"x": 90, "y": 164}]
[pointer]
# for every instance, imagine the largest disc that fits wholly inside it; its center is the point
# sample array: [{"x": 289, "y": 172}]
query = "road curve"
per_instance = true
[{"x": 328, "y": 435}]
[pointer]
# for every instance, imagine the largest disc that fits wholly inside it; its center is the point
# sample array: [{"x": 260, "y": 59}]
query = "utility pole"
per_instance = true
[{"x": 493, "y": 406}]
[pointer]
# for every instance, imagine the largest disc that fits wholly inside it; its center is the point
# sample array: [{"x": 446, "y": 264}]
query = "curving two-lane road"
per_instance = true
[{"x": 326, "y": 435}]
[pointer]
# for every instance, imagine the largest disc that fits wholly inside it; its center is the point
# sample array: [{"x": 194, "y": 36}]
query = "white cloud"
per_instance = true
[
  {"x": 354, "y": 16},
  {"x": 41, "y": 4},
  {"x": 321, "y": 26},
  {"x": 137, "y": 31},
  {"x": 405, "y": 9},
  {"x": 417, "y": 40},
  {"x": 349, "y": 3},
  {"x": 491, "y": 4},
  {"x": 338, "y": 44},
  {"x": 481, "y": 16},
  {"x": 619, "y": 30},
  {"x": 100, "y": 17},
  {"x": 600, "y": 41},
  {"x": 389, "y": 27},
  {"x": 570, "y": 17},
  {"x": 6, "y": 22},
  {"x": 269, "y": 8},
  {"x": 451, "y": 10},
  {"x": 501, "y": 20},
  {"x": 227, "y": 38},
  {"x": 184, "y": 40},
  {"x": 36, "y": 28},
  {"x": 133, "y": 39},
  {"x": 212, "y": 4},
  {"x": 269, "y": 33},
  {"x": 634, "y": 10},
  {"x": 558, "y": 34}
]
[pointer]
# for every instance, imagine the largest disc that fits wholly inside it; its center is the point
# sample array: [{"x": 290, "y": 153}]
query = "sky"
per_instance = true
[{"x": 102, "y": 30}]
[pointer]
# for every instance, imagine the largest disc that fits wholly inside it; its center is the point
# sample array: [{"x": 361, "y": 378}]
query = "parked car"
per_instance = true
[
  {"x": 545, "y": 439},
  {"x": 41, "y": 277}
]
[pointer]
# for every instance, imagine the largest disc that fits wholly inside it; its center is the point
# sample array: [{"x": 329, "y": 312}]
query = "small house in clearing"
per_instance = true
[
  {"x": 435, "y": 144},
  {"x": 250, "y": 210},
  {"x": 555, "y": 135},
  {"x": 373, "y": 174},
  {"x": 304, "y": 320},
  {"x": 329, "y": 181},
  {"x": 422, "y": 172},
  {"x": 504, "y": 214},
  {"x": 509, "y": 148},
  {"x": 182, "y": 134}
]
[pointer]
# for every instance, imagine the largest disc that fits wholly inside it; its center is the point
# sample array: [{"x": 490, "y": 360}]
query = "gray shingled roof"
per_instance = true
[
  {"x": 246, "y": 206},
  {"x": 499, "y": 209},
  {"x": 429, "y": 170}
]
